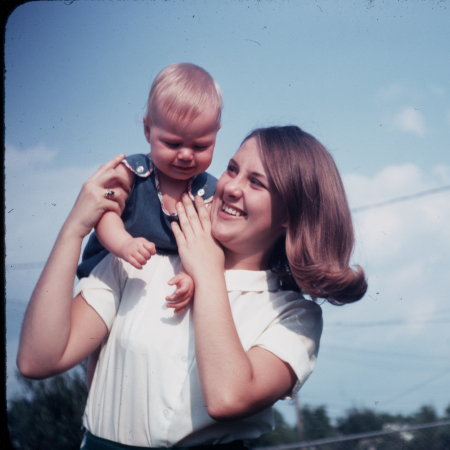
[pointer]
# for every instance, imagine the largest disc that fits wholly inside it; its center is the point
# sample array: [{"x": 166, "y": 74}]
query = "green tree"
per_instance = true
[
  {"x": 47, "y": 415},
  {"x": 316, "y": 423},
  {"x": 447, "y": 412},
  {"x": 283, "y": 434},
  {"x": 426, "y": 414},
  {"x": 427, "y": 438},
  {"x": 359, "y": 421}
]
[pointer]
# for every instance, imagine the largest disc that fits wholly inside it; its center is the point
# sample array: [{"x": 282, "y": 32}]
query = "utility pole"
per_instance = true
[{"x": 298, "y": 410}]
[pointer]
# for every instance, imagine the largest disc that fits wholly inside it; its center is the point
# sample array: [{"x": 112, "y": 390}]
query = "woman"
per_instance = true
[{"x": 279, "y": 225}]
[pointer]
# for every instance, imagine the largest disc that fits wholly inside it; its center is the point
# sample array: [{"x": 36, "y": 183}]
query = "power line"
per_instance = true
[
  {"x": 400, "y": 199},
  {"x": 417, "y": 386},
  {"x": 369, "y": 351},
  {"x": 352, "y": 437},
  {"x": 36, "y": 265},
  {"x": 387, "y": 323}
]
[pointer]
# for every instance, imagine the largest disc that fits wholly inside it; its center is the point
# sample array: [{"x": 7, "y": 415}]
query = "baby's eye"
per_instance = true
[
  {"x": 200, "y": 147},
  {"x": 171, "y": 144}
]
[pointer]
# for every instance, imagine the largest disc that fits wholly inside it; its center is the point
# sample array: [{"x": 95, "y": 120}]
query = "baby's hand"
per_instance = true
[
  {"x": 137, "y": 251},
  {"x": 184, "y": 293}
]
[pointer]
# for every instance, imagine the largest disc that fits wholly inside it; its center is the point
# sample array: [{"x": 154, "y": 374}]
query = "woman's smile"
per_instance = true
[{"x": 233, "y": 211}]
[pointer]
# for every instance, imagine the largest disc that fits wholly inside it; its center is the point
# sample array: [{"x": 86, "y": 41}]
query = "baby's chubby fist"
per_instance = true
[
  {"x": 137, "y": 251},
  {"x": 183, "y": 294}
]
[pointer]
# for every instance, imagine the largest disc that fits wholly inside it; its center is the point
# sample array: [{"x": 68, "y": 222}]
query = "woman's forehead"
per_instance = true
[{"x": 249, "y": 154}]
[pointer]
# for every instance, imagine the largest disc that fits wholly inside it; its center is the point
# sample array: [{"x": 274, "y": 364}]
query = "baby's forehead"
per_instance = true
[
  {"x": 175, "y": 119},
  {"x": 179, "y": 122}
]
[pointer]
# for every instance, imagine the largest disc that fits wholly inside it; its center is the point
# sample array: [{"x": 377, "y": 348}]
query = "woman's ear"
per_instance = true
[
  {"x": 285, "y": 222},
  {"x": 147, "y": 129}
]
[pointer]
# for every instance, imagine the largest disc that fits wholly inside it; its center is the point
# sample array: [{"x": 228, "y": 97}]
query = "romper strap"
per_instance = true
[
  {"x": 140, "y": 164},
  {"x": 204, "y": 185}
]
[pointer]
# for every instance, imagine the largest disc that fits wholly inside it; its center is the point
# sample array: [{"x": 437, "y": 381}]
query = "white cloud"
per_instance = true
[
  {"x": 391, "y": 92},
  {"x": 391, "y": 182},
  {"x": 18, "y": 160},
  {"x": 401, "y": 107},
  {"x": 402, "y": 91},
  {"x": 437, "y": 90},
  {"x": 442, "y": 172},
  {"x": 38, "y": 199},
  {"x": 404, "y": 246},
  {"x": 410, "y": 120}
]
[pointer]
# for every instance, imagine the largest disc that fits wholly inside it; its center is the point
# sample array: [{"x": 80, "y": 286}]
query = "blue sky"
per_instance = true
[{"x": 369, "y": 79}]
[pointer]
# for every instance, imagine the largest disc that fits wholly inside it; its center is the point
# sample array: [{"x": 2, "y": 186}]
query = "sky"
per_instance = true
[{"x": 369, "y": 79}]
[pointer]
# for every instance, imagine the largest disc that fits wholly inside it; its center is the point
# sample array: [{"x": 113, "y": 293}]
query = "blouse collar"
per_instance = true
[{"x": 251, "y": 281}]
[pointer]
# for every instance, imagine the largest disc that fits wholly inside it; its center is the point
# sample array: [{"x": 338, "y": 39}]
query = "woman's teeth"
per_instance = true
[{"x": 231, "y": 211}]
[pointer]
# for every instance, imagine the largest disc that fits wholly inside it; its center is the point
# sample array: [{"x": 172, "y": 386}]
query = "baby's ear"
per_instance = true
[
  {"x": 219, "y": 127},
  {"x": 147, "y": 129}
]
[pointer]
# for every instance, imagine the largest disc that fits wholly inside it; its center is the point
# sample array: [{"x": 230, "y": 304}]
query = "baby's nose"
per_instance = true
[{"x": 185, "y": 153}]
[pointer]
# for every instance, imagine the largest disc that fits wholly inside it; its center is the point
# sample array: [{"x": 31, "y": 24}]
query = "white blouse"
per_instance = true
[{"x": 145, "y": 390}]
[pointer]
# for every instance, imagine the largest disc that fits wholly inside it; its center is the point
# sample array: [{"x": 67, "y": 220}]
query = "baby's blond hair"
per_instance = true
[{"x": 182, "y": 91}]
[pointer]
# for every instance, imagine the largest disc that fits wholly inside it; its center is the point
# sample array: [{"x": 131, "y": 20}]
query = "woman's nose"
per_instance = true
[
  {"x": 185, "y": 154},
  {"x": 233, "y": 188}
]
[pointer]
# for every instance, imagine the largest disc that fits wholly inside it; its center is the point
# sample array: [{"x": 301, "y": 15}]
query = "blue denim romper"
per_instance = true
[{"x": 143, "y": 215}]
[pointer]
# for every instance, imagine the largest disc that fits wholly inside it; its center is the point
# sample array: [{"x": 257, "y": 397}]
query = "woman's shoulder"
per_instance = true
[
  {"x": 261, "y": 291},
  {"x": 291, "y": 303}
]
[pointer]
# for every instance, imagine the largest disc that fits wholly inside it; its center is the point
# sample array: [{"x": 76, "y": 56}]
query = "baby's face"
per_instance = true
[{"x": 181, "y": 151}]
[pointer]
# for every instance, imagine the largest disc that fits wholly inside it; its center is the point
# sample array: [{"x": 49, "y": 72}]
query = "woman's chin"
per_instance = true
[
  {"x": 223, "y": 234},
  {"x": 220, "y": 235}
]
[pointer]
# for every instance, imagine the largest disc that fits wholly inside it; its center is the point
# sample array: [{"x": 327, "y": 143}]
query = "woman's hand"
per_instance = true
[
  {"x": 92, "y": 202},
  {"x": 200, "y": 253}
]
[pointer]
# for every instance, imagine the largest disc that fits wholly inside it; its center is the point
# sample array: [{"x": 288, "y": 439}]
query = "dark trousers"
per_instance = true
[{"x": 91, "y": 442}]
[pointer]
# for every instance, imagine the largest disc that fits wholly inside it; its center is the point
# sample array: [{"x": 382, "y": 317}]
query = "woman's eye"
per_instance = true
[
  {"x": 256, "y": 182},
  {"x": 231, "y": 169}
]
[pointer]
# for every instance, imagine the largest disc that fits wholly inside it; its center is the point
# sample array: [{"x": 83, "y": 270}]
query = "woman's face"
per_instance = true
[{"x": 247, "y": 214}]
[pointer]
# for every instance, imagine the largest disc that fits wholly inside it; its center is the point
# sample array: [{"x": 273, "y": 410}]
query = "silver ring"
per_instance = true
[{"x": 109, "y": 194}]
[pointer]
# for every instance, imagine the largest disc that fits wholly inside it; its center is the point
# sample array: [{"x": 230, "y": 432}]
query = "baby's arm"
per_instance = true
[
  {"x": 184, "y": 293},
  {"x": 113, "y": 236}
]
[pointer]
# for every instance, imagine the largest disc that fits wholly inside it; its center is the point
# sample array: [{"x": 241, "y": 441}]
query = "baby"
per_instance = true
[{"x": 181, "y": 123}]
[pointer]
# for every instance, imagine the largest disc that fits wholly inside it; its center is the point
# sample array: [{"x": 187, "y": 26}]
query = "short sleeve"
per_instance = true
[
  {"x": 295, "y": 339},
  {"x": 103, "y": 288}
]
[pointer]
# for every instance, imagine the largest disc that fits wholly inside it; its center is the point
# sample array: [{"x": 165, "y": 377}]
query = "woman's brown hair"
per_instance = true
[{"x": 314, "y": 255}]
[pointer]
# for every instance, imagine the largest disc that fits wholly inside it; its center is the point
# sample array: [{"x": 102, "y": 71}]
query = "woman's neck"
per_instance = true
[{"x": 237, "y": 261}]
